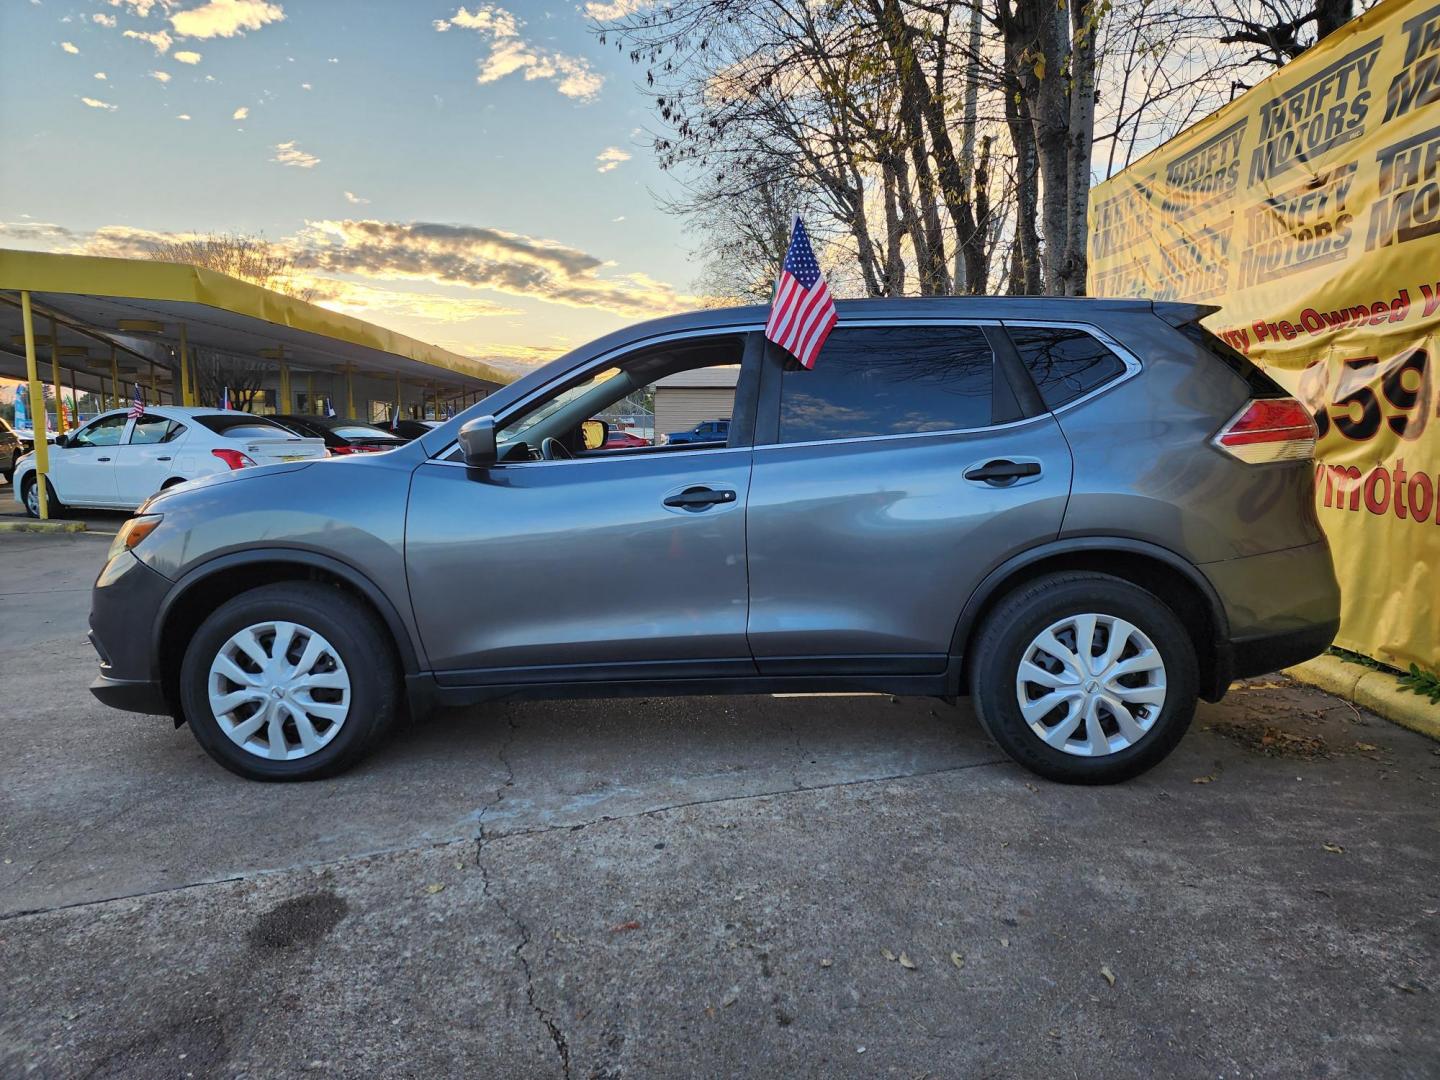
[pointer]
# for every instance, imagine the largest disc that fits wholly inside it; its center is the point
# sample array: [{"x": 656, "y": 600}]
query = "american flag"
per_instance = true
[
  {"x": 225, "y": 399},
  {"x": 137, "y": 404},
  {"x": 802, "y": 313}
]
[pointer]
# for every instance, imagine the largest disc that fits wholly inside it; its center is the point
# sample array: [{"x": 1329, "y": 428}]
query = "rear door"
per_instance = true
[
  {"x": 887, "y": 482},
  {"x": 146, "y": 458}
]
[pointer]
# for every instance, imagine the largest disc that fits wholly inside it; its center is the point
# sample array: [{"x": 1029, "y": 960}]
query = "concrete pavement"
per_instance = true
[{"x": 703, "y": 887}]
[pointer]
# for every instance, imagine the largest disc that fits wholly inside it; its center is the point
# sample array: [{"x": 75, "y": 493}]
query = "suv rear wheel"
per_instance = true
[
  {"x": 1084, "y": 678},
  {"x": 291, "y": 681}
]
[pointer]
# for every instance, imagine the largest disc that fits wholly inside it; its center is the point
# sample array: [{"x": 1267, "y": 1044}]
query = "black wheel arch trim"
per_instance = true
[
  {"x": 1002, "y": 575},
  {"x": 404, "y": 642}
]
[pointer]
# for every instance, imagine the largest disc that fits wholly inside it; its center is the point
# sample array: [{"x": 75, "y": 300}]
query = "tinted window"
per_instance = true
[
  {"x": 243, "y": 426},
  {"x": 155, "y": 429},
  {"x": 889, "y": 380},
  {"x": 105, "y": 432},
  {"x": 1064, "y": 363}
]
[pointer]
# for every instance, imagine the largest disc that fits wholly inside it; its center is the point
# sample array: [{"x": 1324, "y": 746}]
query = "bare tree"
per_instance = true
[{"x": 249, "y": 258}]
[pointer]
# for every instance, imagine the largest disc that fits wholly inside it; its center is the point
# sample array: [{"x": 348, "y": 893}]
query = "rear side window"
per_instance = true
[
  {"x": 1065, "y": 362},
  {"x": 151, "y": 429},
  {"x": 890, "y": 380},
  {"x": 244, "y": 426},
  {"x": 1261, "y": 385}
]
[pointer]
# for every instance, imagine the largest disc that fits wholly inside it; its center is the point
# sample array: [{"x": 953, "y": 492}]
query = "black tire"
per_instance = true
[
  {"x": 53, "y": 506},
  {"x": 1006, "y": 635},
  {"x": 356, "y": 634}
]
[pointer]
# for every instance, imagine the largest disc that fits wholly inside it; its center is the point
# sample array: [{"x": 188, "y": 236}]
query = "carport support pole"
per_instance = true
[
  {"x": 187, "y": 395},
  {"x": 310, "y": 393},
  {"x": 349, "y": 392},
  {"x": 37, "y": 393},
  {"x": 397, "y": 393},
  {"x": 74, "y": 396},
  {"x": 114, "y": 379},
  {"x": 55, "y": 378}
]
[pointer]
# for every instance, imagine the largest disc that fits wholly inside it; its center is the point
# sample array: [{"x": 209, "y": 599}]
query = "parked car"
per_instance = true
[
  {"x": 117, "y": 463},
  {"x": 616, "y": 439},
  {"x": 342, "y": 436},
  {"x": 413, "y": 429},
  {"x": 1085, "y": 513},
  {"x": 708, "y": 431},
  {"x": 12, "y": 448}
]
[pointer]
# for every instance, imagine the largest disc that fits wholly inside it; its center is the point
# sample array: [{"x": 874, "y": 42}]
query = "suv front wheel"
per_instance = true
[
  {"x": 291, "y": 681},
  {"x": 1084, "y": 678}
]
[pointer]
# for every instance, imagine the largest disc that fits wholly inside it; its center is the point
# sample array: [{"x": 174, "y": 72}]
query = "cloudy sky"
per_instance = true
[{"x": 469, "y": 175}]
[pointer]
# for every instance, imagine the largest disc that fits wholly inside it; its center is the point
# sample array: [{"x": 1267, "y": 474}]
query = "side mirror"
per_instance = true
[
  {"x": 477, "y": 442},
  {"x": 61, "y": 441},
  {"x": 593, "y": 434}
]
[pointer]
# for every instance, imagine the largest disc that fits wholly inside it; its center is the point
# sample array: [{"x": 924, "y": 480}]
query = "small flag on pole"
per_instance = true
[
  {"x": 329, "y": 408},
  {"x": 395, "y": 417},
  {"x": 225, "y": 399},
  {"x": 802, "y": 314},
  {"x": 137, "y": 404}
]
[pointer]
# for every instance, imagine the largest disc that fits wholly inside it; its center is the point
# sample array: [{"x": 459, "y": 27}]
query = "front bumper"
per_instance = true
[{"x": 124, "y": 613}]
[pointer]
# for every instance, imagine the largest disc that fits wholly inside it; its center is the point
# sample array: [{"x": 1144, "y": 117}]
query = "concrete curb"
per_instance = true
[
  {"x": 1378, "y": 691},
  {"x": 30, "y": 525}
]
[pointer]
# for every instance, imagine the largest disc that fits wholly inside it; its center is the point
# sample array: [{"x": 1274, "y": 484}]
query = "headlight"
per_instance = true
[{"x": 132, "y": 532}]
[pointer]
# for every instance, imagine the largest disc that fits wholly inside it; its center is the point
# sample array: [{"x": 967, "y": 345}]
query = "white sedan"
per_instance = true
[{"x": 116, "y": 463}]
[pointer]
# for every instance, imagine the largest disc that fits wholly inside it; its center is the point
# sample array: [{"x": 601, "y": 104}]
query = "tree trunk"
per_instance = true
[
  {"x": 1084, "y": 23},
  {"x": 1330, "y": 15},
  {"x": 1025, "y": 275},
  {"x": 966, "y": 278},
  {"x": 894, "y": 235}
]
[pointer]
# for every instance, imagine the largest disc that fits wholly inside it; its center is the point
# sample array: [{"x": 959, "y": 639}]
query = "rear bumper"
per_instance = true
[{"x": 1281, "y": 608}]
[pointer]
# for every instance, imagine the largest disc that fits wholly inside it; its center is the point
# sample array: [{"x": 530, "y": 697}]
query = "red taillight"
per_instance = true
[
  {"x": 1269, "y": 429},
  {"x": 351, "y": 449},
  {"x": 233, "y": 458}
]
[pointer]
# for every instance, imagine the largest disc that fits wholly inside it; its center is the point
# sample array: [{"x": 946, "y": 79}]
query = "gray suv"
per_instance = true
[{"x": 1085, "y": 513}]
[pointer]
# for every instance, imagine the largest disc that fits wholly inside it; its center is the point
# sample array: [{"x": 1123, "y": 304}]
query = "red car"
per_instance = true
[{"x": 618, "y": 438}]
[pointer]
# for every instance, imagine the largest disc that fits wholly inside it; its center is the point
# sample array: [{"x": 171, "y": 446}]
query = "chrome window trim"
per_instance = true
[
  {"x": 1132, "y": 364},
  {"x": 666, "y": 454}
]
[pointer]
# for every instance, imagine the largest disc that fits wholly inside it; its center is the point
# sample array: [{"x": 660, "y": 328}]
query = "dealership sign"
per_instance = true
[{"x": 1308, "y": 210}]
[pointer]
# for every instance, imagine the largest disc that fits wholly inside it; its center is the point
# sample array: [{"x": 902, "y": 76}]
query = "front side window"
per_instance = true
[
  {"x": 1065, "y": 362},
  {"x": 103, "y": 432},
  {"x": 890, "y": 380}
]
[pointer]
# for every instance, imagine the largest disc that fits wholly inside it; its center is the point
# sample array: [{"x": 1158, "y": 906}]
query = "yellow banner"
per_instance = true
[{"x": 1309, "y": 210}]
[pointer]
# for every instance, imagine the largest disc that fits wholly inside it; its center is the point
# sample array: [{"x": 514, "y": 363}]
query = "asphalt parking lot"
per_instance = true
[{"x": 831, "y": 886}]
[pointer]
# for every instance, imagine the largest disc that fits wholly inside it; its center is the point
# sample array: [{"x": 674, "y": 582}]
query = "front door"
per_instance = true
[
  {"x": 84, "y": 468},
  {"x": 624, "y": 564},
  {"x": 888, "y": 481}
]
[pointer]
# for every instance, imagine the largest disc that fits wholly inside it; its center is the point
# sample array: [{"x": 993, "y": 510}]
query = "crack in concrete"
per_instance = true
[
  {"x": 799, "y": 761},
  {"x": 557, "y": 1037},
  {"x": 355, "y": 857}
]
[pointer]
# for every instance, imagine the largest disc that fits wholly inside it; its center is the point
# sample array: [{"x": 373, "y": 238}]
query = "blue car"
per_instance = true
[{"x": 709, "y": 431}]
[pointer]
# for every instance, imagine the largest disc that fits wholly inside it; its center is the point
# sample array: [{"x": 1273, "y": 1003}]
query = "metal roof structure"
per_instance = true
[{"x": 150, "y": 310}]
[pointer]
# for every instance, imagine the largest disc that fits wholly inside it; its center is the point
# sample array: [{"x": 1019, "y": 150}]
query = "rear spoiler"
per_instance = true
[{"x": 1182, "y": 314}]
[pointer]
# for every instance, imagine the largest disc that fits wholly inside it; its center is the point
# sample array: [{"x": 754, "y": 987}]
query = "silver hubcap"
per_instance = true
[
  {"x": 279, "y": 690},
  {"x": 32, "y": 497},
  {"x": 1091, "y": 685}
]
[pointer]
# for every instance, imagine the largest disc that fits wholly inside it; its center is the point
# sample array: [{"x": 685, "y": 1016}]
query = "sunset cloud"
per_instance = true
[
  {"x": 610, "y": 158},
  {"x": 287, "y": 153},
  {"x": 158, "y": 38},
  {"x": 69, "y": 47},
  {"x": 240, "y": 113},
  {"x": 618, "y": 9},
  {"x": 103, "y": 19},
  {"x": 478, "y": 258},
  {"x": 225, "y": 18},
  {"x": 509, "y": 53},
  {"x": 185, "y": 56},
  {"x": 160, "y": 76},
  {"x": 96, "y": 103},
  {"x": 355, "y": 200}
]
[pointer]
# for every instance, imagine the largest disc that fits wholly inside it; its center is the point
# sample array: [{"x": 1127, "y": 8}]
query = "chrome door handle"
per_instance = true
[
  {"x": 102, "y": 459},
  {"x": 162, "y": 459}
]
